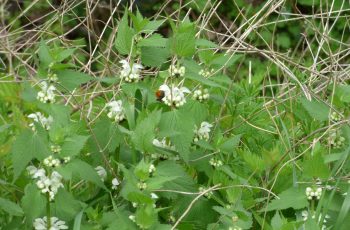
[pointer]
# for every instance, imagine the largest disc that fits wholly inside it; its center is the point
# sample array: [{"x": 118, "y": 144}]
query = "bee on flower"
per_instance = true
[
  {"x": 130, "y": 72},
  {"x": 173, "y": 96},
  {"x": 116, "y": 110}
]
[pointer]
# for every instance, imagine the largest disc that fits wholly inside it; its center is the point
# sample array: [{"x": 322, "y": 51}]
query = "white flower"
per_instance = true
[
  {"x": 163, "y": 144},
  {"x": 215, "y": 162},
  {"x": 115, "y": 183},
  {"x": 101, "y": 172},
  {"x": 203, "y": 131},
  {"x": 151, "y": 169},
  {"x": 45, "y": 183},
  {"x": 201, "y": 95},
  {"x": 311, "y": 193},
  {"x": 176, "y": 71},
  {"x": 51, "y": 162},
  {"x": 132, "y": 218},
  {"x": 131, "y": 73},
  {"x": 55, "y": 148},
  {"x": 154, "y": 196},
  {"x": 46, "y": 95},
  {"x": 305, "y": 216},
  {"x": 40, "y": 118},
  {"x": 174, "y": 96},
  {"x": 66, "y": 159},
  {"x": 142, "y": 185},
  {"x": 56, "y": 224},
  {"x": 206, "y": 73},
  {"x": 116, "y": 110}
]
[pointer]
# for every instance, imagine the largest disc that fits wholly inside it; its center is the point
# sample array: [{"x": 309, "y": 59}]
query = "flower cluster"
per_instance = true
[
  {"x": 51, "y": 162},
  {"x": 101, "y": 172},
  {"x": 46, "y": 95},
  {"x": 116, "y": 110},
  {"x": 40, "y": 118},
  {"x": 177, "y": 71},
  {"x": 203, "y": 131},
  {"x": 47, "y": 184},
  {"x": 201, "y": 95},
  {"x": 215, "y": 162},
  {"x": 335, "y": 139},
  {"x": 55, "y": 148},
  {"x": 151, "y": 169},
  {"x": 206, "y": 73},
  {"x": 174, "y": 96},
  {"x": 313, "y": 192},
  {"x": 142, "y": 185},
  {"x": 55, "y": 223},
  {"x": 305, "y": 216},
  {"x": 335, "y": 116},
  {"x": 130, "y": 72},
  {"x": 207, "y": 194},
  {"x": 163, "y": 144}
]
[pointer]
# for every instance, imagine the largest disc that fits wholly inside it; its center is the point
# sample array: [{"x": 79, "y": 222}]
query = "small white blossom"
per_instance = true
[
  {"x": 142, "y": 185},
  {"x": 55, "y": 148},
  {"x": 40, "y": 118},
  {"x": 101, "y": 172},
  {"x": 132, "y": 218},
  {"x": 46, "y": 95},
  {"x": 305, "y": 216},
  {"x": 66, "y": 159},
  {"x": 51, "y": 162},
  {"x": 48, "y": 184},
  {"x": 154, "y": 196},
  {"x": 55, "y": 223},
  {"x": 151, "y": 169},
  {"x": 335, "y": 139},
  {"x": 215, "y": 162},
  {"x": 174, "y": 96},
  {"x": 335, "y": 117},
  {"x": 203, "y": 131},
  {"x": 116, "y": 110},
  {"x": 313, "y": 192},
  {"x": 177, "y": 71},
  {"x": 163, "y": 144},
  {"x": 52, "y": 77},
  {"x": 130, "y": 73},
  {"x": 115, "y": 183},
  {"x": 206, "y": 73},
  {"x": 201, "y": 95}
]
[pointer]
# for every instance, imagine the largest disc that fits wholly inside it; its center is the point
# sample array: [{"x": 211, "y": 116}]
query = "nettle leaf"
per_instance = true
[
  {"x": 44, "y": 54},
  {"x": 229, "y": 144},
  {"x": 146, "y": 216},
  {"x": 197, "y": 109},
  {"x": 206, "y": 43},
  {"x": 317, "y": 110},
  {"x": 73, "y": 145},
  {"x": 153, "y": 25},
  {"x": 119, "y": 220},
  {"x": 71, "y": 79},
  {"x": 181, "y": 122},
  {"x": 145, "y": 132},
  {"x": 82, "y": 170},
  {"x": 292, "y": 198},
  {"x": 28, "y": 145},
  {"x": 155, "y": 40},
  {"x": 65, "y": 205},
  {"x": 315, "y": 167},
  {"x": 141, "y": 170},
  {"x": 33, "y": 203},
  {"x": 154, "y": 56},
  {"x": 183, "y": 42},
  {"x": 10, "y": 207},
  {"x": 125, "y": 34}
]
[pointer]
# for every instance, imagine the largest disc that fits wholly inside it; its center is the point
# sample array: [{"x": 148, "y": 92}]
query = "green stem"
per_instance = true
[{"x": 48, "y": 211}]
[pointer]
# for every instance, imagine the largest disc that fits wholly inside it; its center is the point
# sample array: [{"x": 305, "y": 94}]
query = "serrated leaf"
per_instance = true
[
  {"x": 145, "y": 216},
  {"x": 65, "y": 205},
  {"x": 292, "y": 198},
  {"x": 70, "y": 79},
  {"x": 73, "y": 145},
  {"x": 153, "y": 25},
  {"x": 44, "y": 54},
  {"x": 206, "y": 43},
  {"x": 10, "y": 207},
  {"x": 33, "y": 203},
  {"x": 315, "y": 167},
  {"x": 125, "y": 34},
  {"x": 155, "y": 40},
  {"x": 149, "y": 58},
  {"x": 28, "y": 145},
  {"x": 316, "y": 109},
  {"x": 183, "y": 41}
]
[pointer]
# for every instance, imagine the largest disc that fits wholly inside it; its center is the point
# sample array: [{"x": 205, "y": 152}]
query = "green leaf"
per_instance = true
[
  {"x": 33, "y": 203},
  {"x": 149, "y": 58},
  {"x": 206, "y": 43},
  {"x": 344, "y": 211},
  {"x": 181, "y": 122},
  {"x": 73, "y": 145},
  {"x": 145, "y": 132},
  {"x": 276, "y": 221},
  {"x": 292, "y": 198},
  {"x": 121, "y": 221},
  {"x": 65, "y": 205},
  {"x": 153, "y": 25},
  {"x": 10, "y": 207},
  {"x": 155, "y": 40},
  {"x": 44, "y": 54},
  {"x": 125, "y": 34},
  {"x": 83, "y": 170},
  {"x": 317, "y": 110},
  {"x": 70, "y": 79},
  {"x": 315, "y": 167},
  {"x": 183, "y": 41},
  {"x": 146, "y": 216},
  {"x": 27, "y": 146}
]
